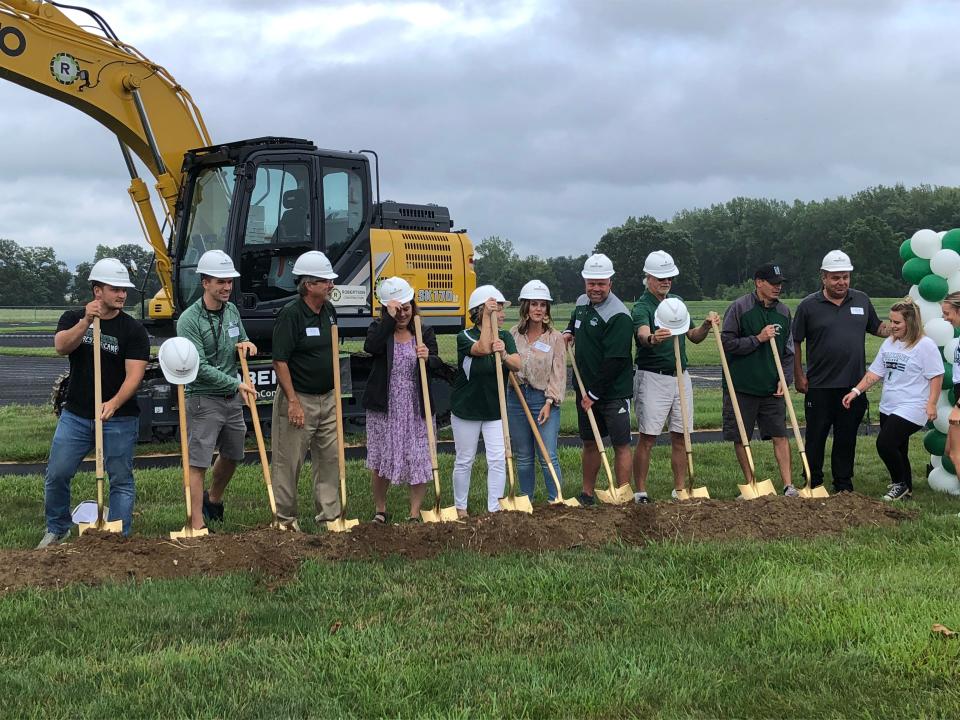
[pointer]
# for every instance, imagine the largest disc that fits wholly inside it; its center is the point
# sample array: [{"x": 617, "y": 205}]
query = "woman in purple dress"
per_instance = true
[{"x": 397, "y": 449}]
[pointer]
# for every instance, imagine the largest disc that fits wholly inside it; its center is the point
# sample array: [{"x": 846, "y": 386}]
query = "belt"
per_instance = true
[{"x": 671, "y": 373}]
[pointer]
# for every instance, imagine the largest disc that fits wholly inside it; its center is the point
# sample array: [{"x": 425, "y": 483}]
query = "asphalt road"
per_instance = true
[{"x": 28, "y": 380}]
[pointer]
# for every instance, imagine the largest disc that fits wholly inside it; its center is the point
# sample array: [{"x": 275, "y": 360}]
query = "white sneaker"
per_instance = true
[{"x": 52, "y": 539}]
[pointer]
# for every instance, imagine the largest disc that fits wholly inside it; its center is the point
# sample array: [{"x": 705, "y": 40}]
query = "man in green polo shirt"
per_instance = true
[
  {"x": 304, "y": 408},
  {"x": 603, "y": 331},
  {"x": 214, "y": 403},
  {"x": 656, "y": 396}
]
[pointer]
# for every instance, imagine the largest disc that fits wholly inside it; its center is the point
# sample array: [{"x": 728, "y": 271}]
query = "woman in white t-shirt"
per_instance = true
[{"x": 911, "y": 367}]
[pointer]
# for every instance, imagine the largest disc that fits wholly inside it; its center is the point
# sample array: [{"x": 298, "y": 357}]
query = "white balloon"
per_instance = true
[
  {"x": 941, "y": 234},
  {"x": 943, "y": 414},
  {"x": 953, "y": 282},
  {"x": 949, "y": 349},
  {"x": 939, "y": 330},
  {"x": 929, "y": 311},
  {"x": 936, "y": 461},
  {"x": 944, "y": 398},
  {"x": 939, "y": 479},
  {"x": 924, "y": 243},
  {"x": 945, "y": 263}
]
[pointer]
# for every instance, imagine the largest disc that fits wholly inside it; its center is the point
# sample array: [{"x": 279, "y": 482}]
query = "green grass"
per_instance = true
[
  {"x": 829, "y": 628},
  {"x": 31, "y": 327},
  {"x": 30, "y": 315}
]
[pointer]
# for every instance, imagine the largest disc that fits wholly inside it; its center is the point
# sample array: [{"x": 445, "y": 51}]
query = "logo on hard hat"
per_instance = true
[{"x": 64, "y": 68}]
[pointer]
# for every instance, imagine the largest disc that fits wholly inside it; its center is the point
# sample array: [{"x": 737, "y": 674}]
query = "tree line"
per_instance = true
[{"x": 716, "y": 248}]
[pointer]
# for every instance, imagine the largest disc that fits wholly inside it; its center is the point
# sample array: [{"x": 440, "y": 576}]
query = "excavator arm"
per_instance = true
[{"x": 153, "y": 117}]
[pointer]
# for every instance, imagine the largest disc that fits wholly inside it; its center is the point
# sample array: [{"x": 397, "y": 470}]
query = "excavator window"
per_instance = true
[
  {"x": 207, "y": 229},
  {"x": 342, "y": 209}
]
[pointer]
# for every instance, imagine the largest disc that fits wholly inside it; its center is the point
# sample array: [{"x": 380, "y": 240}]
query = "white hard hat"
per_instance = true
[
  {"x": 672, "y": 314},
  {"x": 394, "y": 288},
  {"x": 216, "y": 263},
  {"x": 535, "y": 290},
  {"x": 315, "y": 264},
  {"x": 836, "y": 261},
  {"x": 660, "y": 264},
  {"x": 597, "y": 267},
  {"x": 110, "y": 271},
  {"x": 483, "y": 293},
  {"x": 179, "y": 360}
]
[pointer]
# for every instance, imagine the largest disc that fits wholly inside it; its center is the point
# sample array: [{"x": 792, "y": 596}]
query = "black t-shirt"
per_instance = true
[{"x": 121, "y": 338}]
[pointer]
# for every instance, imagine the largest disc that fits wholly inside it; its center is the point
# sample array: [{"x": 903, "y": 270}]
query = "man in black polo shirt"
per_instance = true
[{"x": 833, "y": 321}]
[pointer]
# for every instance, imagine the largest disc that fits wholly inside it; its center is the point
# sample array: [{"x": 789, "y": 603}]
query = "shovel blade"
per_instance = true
[
  {"x": 618, "y": 496},
  {"x": 341, "y": 525},
  {"x": 700, "y": 492},
  {"x": 112, "y": 526},
  {"x": 188, "y": 532},
  {"x": 809, "y": 493},
  {"x": 765, "y": 487},
  {"x": 748, "y": 492},
  {"x": 682, "y": 495},
  {"x": 447, "y": 514},
  {"x": 569, "y": 502},
  {"x": 517, "y": 503}
]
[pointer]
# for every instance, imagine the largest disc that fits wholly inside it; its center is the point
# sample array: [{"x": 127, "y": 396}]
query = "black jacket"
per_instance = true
[{"x": 379, "y": 344}]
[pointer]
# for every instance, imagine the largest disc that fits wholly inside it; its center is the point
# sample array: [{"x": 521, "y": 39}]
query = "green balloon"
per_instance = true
[
  {"x": 934, "y": 442},
  {"x": 906, "y": 252},
  {"x": 951, "y": 395},
  {"x": 948, "y": 465},
  {"x": 950, "y": 241},
  {"x": 947, "y": 374},
  {"x": 933, "y": 288},
  {"x": 915, "y": 270}
]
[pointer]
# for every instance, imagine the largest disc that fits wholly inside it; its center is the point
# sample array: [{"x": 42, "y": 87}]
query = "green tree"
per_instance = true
[
  {"x": 31, "y": 275},
  {"x": 135, "y": 257},
  {"x": 566, "y": 272},
  {"x": 494, "y": 256}
]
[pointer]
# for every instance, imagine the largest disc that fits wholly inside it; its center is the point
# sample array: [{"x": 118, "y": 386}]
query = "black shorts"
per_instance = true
[
  {"x": 613, "y": 421},
  {"x": 768, "y": 413}
]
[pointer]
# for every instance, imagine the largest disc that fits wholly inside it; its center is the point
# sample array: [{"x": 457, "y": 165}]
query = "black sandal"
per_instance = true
[{"x": 381, "y": 518}]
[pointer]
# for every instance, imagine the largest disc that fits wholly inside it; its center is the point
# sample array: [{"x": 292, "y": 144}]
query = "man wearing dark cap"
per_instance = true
[{"x": 749, "y": 324}]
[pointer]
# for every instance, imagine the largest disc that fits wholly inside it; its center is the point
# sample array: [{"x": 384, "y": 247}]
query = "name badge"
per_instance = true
[
  {"x": 541, "y": 346},
  {"x": 856, "y": 311},
  {"x": 233, "y": 332},
  {"x": 576, "y": 324},
  {"x": 313, "y": 332}
]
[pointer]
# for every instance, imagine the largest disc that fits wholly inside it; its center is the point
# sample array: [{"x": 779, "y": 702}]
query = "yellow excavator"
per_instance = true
[{"x": 263, "y": 201}]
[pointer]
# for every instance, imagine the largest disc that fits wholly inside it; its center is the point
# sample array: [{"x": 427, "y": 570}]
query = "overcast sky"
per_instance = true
[{"x": 542, "y": 121}]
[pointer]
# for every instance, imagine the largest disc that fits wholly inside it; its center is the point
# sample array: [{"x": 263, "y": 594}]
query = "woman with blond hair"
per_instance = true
[
  {"x": 911, "y": 367},
  {"x": 950, "y": 307},
  {"x": 543, "y": 382}
]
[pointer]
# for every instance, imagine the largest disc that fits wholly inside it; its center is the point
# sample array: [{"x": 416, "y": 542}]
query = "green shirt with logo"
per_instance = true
[
  {"x": 474, "y": 395},
  {"x": 659, "y": 357},
  {"x": 303, "y": 339},
  {"x": 215, "y": 334},
  {"x": 603, "y": 333},
  {"x": 752, "y": 367}
]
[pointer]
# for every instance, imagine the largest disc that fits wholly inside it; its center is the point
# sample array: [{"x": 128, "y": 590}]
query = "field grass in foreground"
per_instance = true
[{"x": 831, "y": 628}]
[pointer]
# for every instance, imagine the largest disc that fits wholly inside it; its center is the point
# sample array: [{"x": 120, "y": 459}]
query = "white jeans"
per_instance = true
[{"x": 466, "y": 435}]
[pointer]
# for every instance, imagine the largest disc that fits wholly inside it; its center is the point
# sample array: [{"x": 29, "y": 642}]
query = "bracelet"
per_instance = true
[{"x": 856, "y": 390}]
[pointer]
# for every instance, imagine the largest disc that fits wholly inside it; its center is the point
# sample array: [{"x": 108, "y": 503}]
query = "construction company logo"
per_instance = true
[
  {"x": 349, "y": 295},
  {"x": 12, "y": 41},
  {"x": 264, "y": 380},
  {"x": 64, "y": 68},
  {"x": 108, "y": 343}
]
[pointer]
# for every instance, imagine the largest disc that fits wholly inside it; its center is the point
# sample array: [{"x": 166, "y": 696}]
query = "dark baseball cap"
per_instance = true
[{"x": 769, "y": 272}]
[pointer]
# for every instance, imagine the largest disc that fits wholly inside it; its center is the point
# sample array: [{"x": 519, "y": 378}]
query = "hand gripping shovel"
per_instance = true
[
  {"x": 690, "y": 491},
  {"x": 613, "y": 495},
  {"x": 261, "y": 446},
  {"x": 438, "y": 514},
  {"x": 572, "y": 502},
  {"x": 806, "y": 491},
  {"x": 341, "y": 524},
  {"x": 753, "y": 489},
  {"x": 513, "y": 502},
  {"x": 113, "y": 526}
]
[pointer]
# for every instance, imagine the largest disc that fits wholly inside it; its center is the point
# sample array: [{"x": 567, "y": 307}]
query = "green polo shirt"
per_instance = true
[
  {"x": 216, "y": 335},
  {"x": 303, "y": 340},
  {"x": 603, "y": 332},
  {"x": 474, "y": 395},
  {"x": 660, "y": 357}
]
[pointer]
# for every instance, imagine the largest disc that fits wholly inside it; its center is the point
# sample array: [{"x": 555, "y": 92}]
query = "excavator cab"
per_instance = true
[{"x": 265, "y": 202}]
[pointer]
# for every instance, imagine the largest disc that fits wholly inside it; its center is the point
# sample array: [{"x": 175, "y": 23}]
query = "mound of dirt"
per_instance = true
[{"x": 97, "y": 557}]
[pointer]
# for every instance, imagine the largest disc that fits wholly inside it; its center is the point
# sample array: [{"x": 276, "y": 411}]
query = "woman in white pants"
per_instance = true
[{"x": 474, "y": 403}]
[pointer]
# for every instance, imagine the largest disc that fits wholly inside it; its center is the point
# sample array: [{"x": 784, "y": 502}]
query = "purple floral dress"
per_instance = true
[{"x": 397, "y": 440}]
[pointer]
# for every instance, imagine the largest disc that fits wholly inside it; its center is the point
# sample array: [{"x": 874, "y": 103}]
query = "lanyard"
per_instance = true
[{"x": 219, "y": 331}]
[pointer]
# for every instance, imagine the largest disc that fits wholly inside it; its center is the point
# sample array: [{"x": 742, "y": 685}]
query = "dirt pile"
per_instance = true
[{"x": 97, "y": 558}]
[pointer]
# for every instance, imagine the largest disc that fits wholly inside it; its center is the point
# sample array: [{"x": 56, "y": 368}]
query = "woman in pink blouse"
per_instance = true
[{"x": 543, "y": 381}]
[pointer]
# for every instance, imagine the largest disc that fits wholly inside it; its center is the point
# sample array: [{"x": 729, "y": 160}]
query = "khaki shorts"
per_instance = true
[
  {"x": 656, "y": 400},
  {"x": 215, "y": 423}
]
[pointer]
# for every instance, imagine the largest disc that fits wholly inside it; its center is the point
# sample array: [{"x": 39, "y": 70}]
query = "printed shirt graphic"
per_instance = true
[{"x": 906, "y": 374}]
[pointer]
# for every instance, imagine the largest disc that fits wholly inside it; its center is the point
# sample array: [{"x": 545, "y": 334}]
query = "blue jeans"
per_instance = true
[
  {"x": 524, "y": 444},
  {"x": 72, "y": 441}
]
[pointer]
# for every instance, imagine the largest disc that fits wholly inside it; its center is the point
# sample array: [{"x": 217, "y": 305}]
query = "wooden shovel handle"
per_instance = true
[
  {"x": 427, "y": 409},
  {"x": 341, "y": 458},
  {"x": 593, "y": 421},
  {"x": 683, "y": 407},
  {"x": 793, "y": 415},
  {"x": 536, "y": 433},
  {"x": 744, "y": 440},
  {"x": 97, "y": 399},
  {"x": 254, "y": 415},
  {"x": 184, "y": 450}
]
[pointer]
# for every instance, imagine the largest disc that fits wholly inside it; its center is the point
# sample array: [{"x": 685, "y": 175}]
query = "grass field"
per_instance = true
[{"x": 827, "y": 628}]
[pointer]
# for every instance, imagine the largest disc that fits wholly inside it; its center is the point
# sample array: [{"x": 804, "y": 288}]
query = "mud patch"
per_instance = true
[{"x": 97, "y": 558}]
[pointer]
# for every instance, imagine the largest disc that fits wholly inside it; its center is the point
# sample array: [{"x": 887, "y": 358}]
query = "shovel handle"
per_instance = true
[
  {"x": 793, "y": 415},
  {"x": 683, "y": 408},
  {"x": 593, "y": 422},
  {"x": 184, "y": 452},
  {"x": 536, "y": 434},
  {"x": 341, "y": 459},
  {"x": 427, "y": 411},
  {"x": 502, "y": 398},
  {"x": 744, "y": 440},
  {"x": 257, "y": 430}
]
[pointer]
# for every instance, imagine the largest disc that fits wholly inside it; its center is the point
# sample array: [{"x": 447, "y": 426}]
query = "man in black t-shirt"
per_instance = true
[{"x": 124, "y": 351}]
